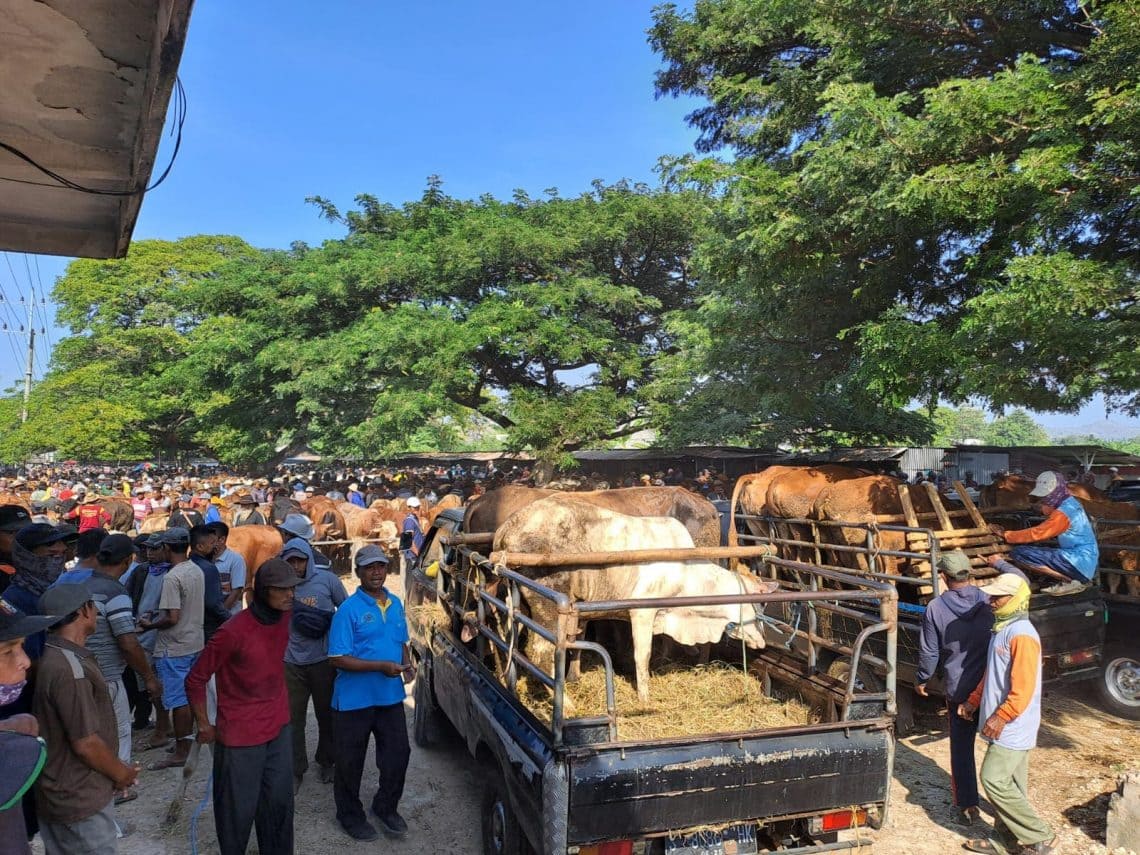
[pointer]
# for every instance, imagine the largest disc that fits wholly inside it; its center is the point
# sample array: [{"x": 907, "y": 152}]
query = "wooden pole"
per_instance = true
[{"x": 632, "y": 556}]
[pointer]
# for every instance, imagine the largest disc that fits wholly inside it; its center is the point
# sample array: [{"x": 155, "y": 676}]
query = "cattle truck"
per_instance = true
[
  {"x": 1072, "y": 628},
  {"x": 557, "y": 784}
]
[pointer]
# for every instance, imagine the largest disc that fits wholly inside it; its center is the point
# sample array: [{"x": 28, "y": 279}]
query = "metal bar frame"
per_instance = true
[{"x": 859, "y": 590}]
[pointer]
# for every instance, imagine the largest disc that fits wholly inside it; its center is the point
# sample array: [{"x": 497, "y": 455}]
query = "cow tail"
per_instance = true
[{"x": 733, "y": 540}]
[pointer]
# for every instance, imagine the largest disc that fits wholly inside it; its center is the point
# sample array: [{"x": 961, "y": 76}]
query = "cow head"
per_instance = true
[{"x": 750, "y": 630}]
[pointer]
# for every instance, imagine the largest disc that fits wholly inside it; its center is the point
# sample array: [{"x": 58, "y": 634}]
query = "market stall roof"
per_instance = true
[{"x": 82, "y": 109}]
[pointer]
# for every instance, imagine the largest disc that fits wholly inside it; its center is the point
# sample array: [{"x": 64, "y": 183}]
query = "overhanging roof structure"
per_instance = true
[{"x": 85, "y": 94}]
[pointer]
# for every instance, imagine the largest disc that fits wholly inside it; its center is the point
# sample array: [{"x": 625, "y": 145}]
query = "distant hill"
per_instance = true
[{"x": 1100, "y": 429}]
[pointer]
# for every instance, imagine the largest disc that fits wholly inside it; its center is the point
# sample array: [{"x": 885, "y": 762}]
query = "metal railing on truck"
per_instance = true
[{"x": 502, "y": 634}]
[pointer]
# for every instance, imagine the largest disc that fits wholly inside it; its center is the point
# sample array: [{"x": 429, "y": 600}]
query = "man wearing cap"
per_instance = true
[
  {"x": 247, "y": 512},
  {"x": 368, "y": 645},
  {"x": 1008, "y": 703},
  {"x": 955, "y": 638},
  {"x": 89, "y": 514},
  {"x": 299, "y": 525},
  {"x": 1072, "y": 564},
  {"x": 180, "y": 637},
  {"x": 411, "y": 533},
  {"x": 20, "y": 750},
  {"x": 253, "y": 768},
  {"x": 74, "y": 795},
  {"x": 308, "y": 673},
  {"x": 355, "y": 496},
  {"x": 12, "y": 519},
  {"x": 114, "y": 642}
]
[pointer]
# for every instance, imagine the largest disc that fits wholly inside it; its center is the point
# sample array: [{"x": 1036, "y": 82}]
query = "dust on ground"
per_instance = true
[{"x": 1081, "y": 753}]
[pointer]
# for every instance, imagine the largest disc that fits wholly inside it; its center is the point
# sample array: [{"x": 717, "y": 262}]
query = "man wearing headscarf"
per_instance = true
[
  {"x": 308, "y": 674},
  {"x": 1008, "y": 703},
  {"x": 1072, "y": 564},
  {"x": 38, "y": 554},
  {"x": 253, "y": 756}
]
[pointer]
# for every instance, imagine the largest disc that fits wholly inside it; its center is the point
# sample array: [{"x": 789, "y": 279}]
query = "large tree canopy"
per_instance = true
[
  {"x": 926, "y": 200},
  {"x": 540, "y": 318}
]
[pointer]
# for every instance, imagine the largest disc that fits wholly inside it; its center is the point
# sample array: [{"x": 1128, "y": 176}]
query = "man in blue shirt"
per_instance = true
[{"x": 368, "y": 645}]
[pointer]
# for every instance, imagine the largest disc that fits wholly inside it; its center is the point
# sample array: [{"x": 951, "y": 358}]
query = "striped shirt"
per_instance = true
[{"x": 115, "y": 618}]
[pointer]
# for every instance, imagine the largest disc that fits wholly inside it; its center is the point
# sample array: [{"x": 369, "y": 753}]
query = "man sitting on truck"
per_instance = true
[{"x": 1072, "y": 563}]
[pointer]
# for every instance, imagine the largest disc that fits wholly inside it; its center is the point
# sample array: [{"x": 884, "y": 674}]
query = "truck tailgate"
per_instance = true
[
  {"x": 664, "y": 786},
  {"x": 1067, "y": 624}
]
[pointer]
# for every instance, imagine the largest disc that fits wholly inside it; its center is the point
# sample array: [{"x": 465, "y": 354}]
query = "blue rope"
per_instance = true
[{"x": 198, "y": 812}]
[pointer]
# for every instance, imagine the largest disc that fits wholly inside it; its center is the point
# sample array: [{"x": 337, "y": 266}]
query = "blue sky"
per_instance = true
[{"x": 288, "y": 100}]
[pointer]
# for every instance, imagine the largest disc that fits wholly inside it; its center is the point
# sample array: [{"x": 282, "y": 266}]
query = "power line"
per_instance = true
[{"x": 61, "y": 181}]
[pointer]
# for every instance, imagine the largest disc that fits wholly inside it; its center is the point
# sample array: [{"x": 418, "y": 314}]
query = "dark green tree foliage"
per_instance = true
[
  {"x": 927, "y": 200},
  {"x": 542, "y": 317}
]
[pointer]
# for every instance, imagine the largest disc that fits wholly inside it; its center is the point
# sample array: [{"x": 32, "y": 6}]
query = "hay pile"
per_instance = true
[
  {"x": 429, "y": 616},
  {"x": 683, "y": 701}
]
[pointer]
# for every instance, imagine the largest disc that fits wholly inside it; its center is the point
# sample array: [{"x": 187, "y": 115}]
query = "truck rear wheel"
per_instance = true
[
  {"x": 1119, "y": 683},
  {"x": 502, "y": 834}
]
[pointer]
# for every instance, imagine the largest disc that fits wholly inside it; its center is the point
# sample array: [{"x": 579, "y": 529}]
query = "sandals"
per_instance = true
[
  {"x": 128, "y": 795},
  {"x": 151, "y": 745},
  {"x": 985, "y": 844},
  {"x": 167, "y": 763}
]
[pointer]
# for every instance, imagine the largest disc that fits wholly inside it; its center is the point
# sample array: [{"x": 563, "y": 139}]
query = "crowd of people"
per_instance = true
[
  {"x": 166, "y": 636},
  {"x": 115, "y": 645}
]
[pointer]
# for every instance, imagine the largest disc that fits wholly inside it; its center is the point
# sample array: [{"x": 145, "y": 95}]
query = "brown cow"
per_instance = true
[
  {"x": 800, "y": 485},
  {"x": 861, "y": 500},
  {"x": 792, "y": 495},
  {"x": 1012, "y": 492},
  {"x": 122, "y": 514},
  {"x": 698, "y": 515},
  {"x": 256, "y": 544}
]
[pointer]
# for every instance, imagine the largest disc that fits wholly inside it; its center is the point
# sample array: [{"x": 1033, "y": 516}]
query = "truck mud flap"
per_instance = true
[{"x": 665, "y": 787}]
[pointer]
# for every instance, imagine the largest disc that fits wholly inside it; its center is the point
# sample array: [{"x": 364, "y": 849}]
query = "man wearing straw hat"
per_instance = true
[{"x": 1008, "y": 703}]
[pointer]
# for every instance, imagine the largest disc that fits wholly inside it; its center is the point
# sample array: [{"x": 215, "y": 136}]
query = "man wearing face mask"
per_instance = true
[
  {"x": 1008, "y": 703},
  {"x": 38, "y": 554},
  {"x": 20, "y": 751},
  {"x": 253, "y": 756}
]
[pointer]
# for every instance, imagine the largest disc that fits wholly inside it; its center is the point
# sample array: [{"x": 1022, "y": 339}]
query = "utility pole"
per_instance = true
[
  {"x": 28, "y": 368},
  {"x": 30, "y": 331}
]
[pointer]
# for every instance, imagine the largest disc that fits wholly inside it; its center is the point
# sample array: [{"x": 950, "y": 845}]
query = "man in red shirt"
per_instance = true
[
  {"x": 89, "y": 514},
  {"x": 253, "y": 747}
]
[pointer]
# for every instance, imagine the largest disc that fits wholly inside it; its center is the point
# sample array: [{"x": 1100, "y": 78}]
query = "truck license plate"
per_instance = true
[{"x": 735, "y": 840}]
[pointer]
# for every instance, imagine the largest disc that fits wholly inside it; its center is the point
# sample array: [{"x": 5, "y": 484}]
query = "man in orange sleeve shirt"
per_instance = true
[
  {"x": 1008, "y": 701},
  {"x": 1072, "y": 563}
]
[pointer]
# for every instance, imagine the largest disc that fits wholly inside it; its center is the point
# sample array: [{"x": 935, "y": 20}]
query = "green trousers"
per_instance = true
[{"x": 1005, "y": 778}]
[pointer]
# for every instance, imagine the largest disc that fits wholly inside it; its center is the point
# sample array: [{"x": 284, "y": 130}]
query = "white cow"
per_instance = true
[{"x": 562, "y": 524}]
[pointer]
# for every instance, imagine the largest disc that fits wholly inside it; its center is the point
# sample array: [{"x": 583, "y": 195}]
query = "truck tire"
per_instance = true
[
  {"x": 1119, "y": 682},
  {"x": 502, "y": 834},
  {"x": 866, "y": 679},
  {"x": 427, "y": 718}
]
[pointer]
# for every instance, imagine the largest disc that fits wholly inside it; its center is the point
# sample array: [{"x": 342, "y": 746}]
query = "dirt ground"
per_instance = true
[{"x": 1081, "y": 754}]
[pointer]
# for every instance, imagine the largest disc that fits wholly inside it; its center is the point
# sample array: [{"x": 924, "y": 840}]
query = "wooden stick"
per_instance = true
[{"x": 936, "y": 503}]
